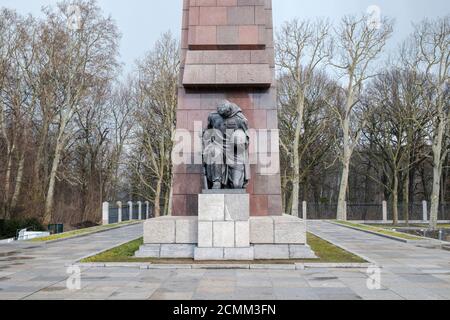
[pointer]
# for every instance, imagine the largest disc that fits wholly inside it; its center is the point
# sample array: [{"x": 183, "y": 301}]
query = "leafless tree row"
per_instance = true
[
  {"x": 372, "y": 128},
  {"x": 72, "y": 135},
  {"x": 355, "y": 126}
]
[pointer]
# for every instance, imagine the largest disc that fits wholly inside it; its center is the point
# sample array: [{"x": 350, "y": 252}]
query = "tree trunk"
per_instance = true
[
  {"x": 296, "y": 177},
  {"x": 406, "y": 199},
  {"x": 296, "y": 182},
  {"x": 284, "y": 184},
  {"x": 158, "y": 198},
  {"x": 19, "y": 180},
  {"x": 395, "y": 198},
  {"x": 166, "y": 202},
  {"x": 437, "y": 173},
  {"x": 6, "y": 208},
  {"x": 170, "y": 208},
  {"x": 435, "y": 196},
  {"x": 49, "y": 201},
  {"x": 342, "y": 208}
]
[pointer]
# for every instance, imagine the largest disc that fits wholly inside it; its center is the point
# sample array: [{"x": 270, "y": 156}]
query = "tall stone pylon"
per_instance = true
[{"x": 228, "y": 54}]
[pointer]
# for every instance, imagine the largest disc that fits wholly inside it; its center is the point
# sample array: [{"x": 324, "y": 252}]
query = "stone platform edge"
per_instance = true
[
  {"x": 260, "y": 238},
  {"x": 83, "y": 234},
  {"x": 421, "y": 241},
  {"x": 268, "y": 266}
]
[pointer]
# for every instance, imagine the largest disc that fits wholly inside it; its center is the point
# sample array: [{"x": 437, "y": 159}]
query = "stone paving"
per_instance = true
[{"x": 39, "y": 272}]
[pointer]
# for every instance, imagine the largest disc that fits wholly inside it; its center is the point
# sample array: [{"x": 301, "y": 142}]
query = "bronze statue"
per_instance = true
[{"x": 226, "y": 149}]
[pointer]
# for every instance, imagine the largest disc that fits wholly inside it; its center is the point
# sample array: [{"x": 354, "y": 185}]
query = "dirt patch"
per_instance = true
[
  {"x": 54, "y": 289},
  {"x": 9, "y": 254},
  {"x": 326, "y": 278},
  {"x": 16, "y": 259}
]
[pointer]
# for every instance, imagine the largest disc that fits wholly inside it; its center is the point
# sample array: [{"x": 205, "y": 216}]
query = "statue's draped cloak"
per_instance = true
[{"x": 219, "y": 146}]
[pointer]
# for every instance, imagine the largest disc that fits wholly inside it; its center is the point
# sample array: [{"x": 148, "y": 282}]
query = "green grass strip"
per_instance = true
[
  {"x": 327, "y": 253},
  {"x": 380, "y": 230},
  {"x": 86, "y": 231}
]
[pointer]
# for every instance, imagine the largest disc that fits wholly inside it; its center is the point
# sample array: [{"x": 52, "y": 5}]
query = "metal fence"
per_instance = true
[
  {"x": 374, "y": 212},
  {"x": 119, "y": 212}
]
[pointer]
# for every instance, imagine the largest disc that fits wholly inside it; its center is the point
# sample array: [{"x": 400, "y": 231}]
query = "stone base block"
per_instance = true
[
  {"x": 186, "y": 230},
  {"x": 301, "y": 252},
  {"x": 262, "y": 230},
  {"x": 284, "y": 230},
  {"x": 283, "y": 252},
  {"x": 224, "y": 254},
  {"x": 177, "y": 251},
  {"x": 223, "y": 234},
  {"x": 209, "y": 254},
  {"x": 231, "y": 206},
  {"x": 149, "y": 251},
  {"x": 289, "y": 230},
  {"x": 166, "y": 251},
  {"x": 272, "y": 252},
  {"x": 171, "y": 230},
  {"x": 239, "y": 254},
  {"x": 258, "y": 252}
]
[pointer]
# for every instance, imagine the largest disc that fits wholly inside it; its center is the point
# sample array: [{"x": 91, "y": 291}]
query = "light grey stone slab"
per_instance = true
[
  {"x": 272, "y": 252},
  {"x": 149, "y": 251},
  {"x": 272, "y": 266},
  {"x": 408, "y": 271},
  {"x": 211, "y": 207},
  {"x": 289, "y": 230},
  {"x": 261, "y": 230},
  {"x": 239, "y": 254},
  {"x": 159, "y": 230},
  {"x": 301, "y": 252},
  {"x": 177, "y": 251},
  {"x": 205, "y": 234},
  {"x": 169, "y": 266},
  {"x": 237, "y": 207},
  {"x": 221, "y": 266},
  {"x": 130, "y": 265},
  {"x": 187, "y": 230},
  {"x": 211, "y": 254},
  {"x": 223, "y": 234},
  {"x": 242, "y": 234}
]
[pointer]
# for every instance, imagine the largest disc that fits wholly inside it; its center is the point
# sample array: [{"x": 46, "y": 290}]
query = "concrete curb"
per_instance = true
[
  {"x": 7, "y": 241},
  {"x": 84, "y": 234},
  {"x": 293, "y": 267},
  {"x": 385, "y": 235}
]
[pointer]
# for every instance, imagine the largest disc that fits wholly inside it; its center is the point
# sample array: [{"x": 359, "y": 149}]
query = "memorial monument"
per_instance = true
[
  {"x": 226, "y": 186},
  {"x": 226, "y": 149}
]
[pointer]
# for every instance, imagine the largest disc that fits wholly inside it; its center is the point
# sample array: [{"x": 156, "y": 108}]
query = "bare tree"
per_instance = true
[
  {"x": 155, "y": 97},
  {"x": 396, "y": 128},
  {"x": 122, "y": 107},
  {"x": 302, "y": 47},
  {"x": 15, "y": 100},
  {"x": 318, "y": 135},
  {"x": 431, "y": 54},
  {"x": 77, "y": 61},
  {"x": 358, "y": 45}
]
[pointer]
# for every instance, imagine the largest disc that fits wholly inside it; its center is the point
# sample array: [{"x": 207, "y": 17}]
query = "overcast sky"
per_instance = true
[{"x": 142, "y": 21}]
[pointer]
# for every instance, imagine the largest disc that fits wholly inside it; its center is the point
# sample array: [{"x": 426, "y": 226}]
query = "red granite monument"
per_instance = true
[
  {"x": 227, "y": 83},
  {"x": 228, "y": 54}
]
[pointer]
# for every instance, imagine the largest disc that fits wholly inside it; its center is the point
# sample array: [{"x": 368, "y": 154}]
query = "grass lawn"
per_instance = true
[
  {"x": 413, "y": 225},
  {"x": 381, "y": 230},
  {"x": 326, "y": 252},
  {"x": 80, "y": 232}
]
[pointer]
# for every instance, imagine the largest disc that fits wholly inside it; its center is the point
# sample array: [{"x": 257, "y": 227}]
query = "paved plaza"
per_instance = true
[{"x": 34, "y": 271}]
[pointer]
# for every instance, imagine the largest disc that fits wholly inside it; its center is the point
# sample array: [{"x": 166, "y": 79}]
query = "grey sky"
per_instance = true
[{"x": 142, "y": 21}]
